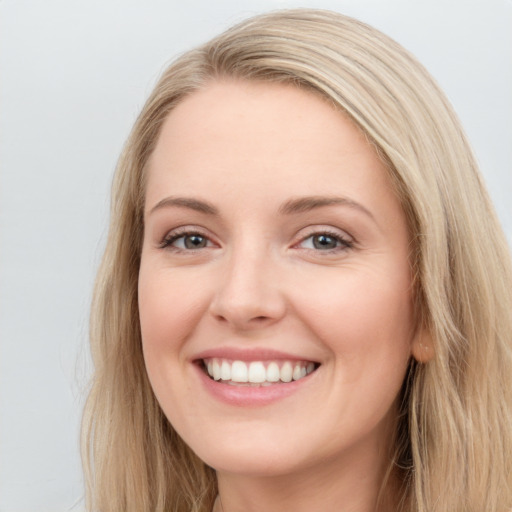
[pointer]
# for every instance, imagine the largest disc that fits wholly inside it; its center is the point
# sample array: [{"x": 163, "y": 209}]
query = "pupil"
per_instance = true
[
  {"x": 195, "y": 242},
  {"x": 324, "y": 242}
]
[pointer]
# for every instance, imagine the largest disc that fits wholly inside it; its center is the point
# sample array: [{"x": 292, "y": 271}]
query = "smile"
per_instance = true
[{"x": 257, "y": 373}]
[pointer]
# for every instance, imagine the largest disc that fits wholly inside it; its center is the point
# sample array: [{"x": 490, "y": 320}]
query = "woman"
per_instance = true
[{"x": 305, "y": 299}]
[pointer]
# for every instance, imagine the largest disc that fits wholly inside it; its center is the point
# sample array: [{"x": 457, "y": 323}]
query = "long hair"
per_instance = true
[{"x": 453, "y": 441}]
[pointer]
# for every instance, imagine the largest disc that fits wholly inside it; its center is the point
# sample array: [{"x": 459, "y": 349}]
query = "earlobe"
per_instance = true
[{"x": 423, "y": 346}]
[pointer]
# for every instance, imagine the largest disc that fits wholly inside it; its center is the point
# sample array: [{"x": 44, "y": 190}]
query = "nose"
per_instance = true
[{"x": 248, "y": 295}]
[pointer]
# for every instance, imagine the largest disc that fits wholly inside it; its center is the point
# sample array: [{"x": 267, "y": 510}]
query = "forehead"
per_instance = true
[{"x": 258, "y": 128}]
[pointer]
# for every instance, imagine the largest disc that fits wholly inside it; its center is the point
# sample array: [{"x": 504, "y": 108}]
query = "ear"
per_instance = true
[{"x": 422, "y": 348}]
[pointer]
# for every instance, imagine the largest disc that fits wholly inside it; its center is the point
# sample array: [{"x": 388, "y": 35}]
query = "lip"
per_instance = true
[
  {"x": 250, "y": 354},
  {"x": 249, "y": 396}
]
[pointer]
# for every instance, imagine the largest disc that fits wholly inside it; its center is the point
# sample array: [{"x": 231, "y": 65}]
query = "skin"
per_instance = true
[{"x": 260, "y": 280}]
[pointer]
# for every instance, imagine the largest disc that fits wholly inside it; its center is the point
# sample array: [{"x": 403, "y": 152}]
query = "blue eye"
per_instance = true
[{"x": 325, "y": 242}]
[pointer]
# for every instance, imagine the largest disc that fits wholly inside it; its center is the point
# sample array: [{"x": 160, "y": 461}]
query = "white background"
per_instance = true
[{"x": 73, "y": 76}]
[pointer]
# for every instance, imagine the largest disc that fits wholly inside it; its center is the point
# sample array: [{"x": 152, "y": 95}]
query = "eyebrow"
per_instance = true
[
  {"x": 186, "y": 202},
  {"x": 298, "y": 205},
  {"x": 305, "y": 204}
]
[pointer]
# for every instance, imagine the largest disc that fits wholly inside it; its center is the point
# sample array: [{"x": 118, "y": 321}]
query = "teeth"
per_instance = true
[
  {"x": 225, "y": 371},
  {"x": 273, "y": 373},
  {"x": 257, "y": 372},
  {"x": 287, "y": 372},
  {"x": 216, "y": 370},
  {"x": 239, "y": 372}
]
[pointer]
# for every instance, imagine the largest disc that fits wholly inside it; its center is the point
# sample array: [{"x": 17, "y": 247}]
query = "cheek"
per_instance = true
[
  {"x": 169, "y": 308},
  {"x": 365, "y": 319},
  {"x": 369, "y": 332}
]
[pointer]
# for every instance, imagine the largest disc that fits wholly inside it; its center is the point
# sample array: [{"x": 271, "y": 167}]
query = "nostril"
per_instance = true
[{"x": 247, "y": 311}]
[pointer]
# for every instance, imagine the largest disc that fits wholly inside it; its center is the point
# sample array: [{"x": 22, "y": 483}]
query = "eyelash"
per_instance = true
[
  {"x": 176, "y": 235},
  {"x": 343, "y": 243}
]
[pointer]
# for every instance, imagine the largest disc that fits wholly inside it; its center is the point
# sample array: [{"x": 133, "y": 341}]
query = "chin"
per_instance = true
[
  {"x": 253, "y": 455},
  {"x": 284, "y": 465},
  {"x": 261, "y": 464}
]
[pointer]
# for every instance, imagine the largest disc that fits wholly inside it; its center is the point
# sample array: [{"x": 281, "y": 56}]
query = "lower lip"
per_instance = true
[{"x": 250, "y": 396}]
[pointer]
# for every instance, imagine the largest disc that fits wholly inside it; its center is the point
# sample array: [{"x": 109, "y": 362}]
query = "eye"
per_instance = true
[
  {"x": 186, "y": 241},
  {"x": 325, "y": 241}
]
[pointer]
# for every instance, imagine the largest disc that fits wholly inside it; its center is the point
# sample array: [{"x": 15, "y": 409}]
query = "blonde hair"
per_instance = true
[{"x": 454, "y": 444}]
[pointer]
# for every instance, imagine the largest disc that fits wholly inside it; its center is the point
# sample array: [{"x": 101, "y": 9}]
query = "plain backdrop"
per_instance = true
[{"x": 73, "y": 76}]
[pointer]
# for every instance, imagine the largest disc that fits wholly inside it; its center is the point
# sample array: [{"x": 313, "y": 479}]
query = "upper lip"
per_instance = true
[{"x": 249, "y": 354}]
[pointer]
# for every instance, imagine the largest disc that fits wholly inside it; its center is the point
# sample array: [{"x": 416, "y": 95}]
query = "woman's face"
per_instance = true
[{"x": 275, "y": 252}]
